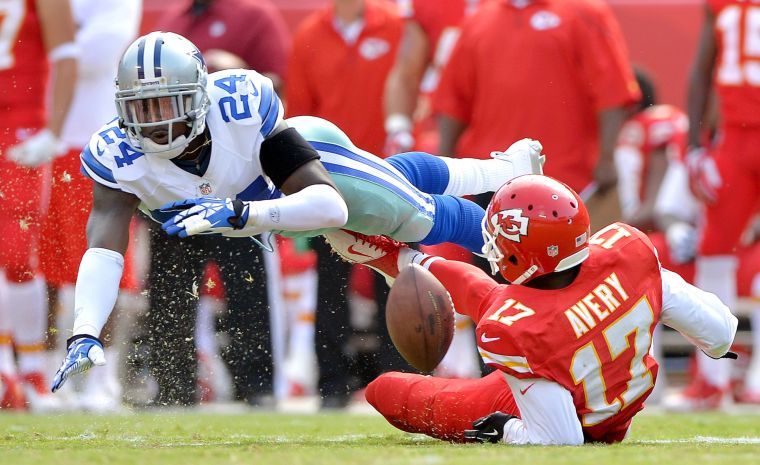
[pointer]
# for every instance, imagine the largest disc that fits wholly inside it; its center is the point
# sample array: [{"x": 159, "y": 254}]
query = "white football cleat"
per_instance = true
[
  {"x": 524, "y": 156},
  {"x": 377, "y": 252}
]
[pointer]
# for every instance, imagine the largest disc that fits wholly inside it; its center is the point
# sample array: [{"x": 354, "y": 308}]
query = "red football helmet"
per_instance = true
[{"x": 535, "y": 225}]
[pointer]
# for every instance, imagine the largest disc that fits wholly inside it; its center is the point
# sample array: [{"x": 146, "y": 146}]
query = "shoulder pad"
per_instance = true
[{"x": 244, "y": 97}]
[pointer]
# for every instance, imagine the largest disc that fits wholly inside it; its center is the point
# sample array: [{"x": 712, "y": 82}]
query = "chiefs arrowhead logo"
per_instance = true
[{"x": 510, "y": 224}]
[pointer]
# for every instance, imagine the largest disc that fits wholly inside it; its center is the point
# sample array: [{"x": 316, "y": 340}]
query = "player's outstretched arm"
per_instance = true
[
  {"x": 311, "y": 200},
  {"x": 469, "y": 286},
  {"x": 98, "y": 280},
  {"x": 700, "y": 316}
]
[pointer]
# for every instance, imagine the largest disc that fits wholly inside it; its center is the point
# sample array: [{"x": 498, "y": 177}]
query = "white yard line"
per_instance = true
[{"x": 700, "y": 440}]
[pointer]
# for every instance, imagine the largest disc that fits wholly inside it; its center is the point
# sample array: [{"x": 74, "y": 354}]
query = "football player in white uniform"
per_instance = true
[
  {"x": 159, "y": 150},
  {"x": 183, "y": 134}
]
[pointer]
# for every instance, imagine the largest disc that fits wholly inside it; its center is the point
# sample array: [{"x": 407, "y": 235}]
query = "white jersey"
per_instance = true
[
  {"x": 106, "y": 27},
  {"x": 244, "y": 110}
]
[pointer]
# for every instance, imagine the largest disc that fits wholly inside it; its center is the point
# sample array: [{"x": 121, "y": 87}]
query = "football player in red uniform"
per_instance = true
[
  {"x": 729, "y": 176},
  {"x": 35, "y": 35},
  {"x": 648, "y": 141},
  {"x": 569, "y": 337}
]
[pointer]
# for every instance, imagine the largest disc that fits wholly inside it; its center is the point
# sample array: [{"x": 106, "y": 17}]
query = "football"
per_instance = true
[{"x": 419, "y": 315}]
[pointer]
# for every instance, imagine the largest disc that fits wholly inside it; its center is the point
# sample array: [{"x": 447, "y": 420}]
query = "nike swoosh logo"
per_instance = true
[
  {"x": 97, "y": 148},
  {"x": 484, "y": 338},
  {"x": 355, "y": 252},
  {"x": 523, "y": 391}
]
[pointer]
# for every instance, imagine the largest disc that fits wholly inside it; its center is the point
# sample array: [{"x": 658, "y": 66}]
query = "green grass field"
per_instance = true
[{"x": 201, "y": 438}]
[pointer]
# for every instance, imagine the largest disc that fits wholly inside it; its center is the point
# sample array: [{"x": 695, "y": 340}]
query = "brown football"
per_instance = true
[{"x": 420, "y": 318}]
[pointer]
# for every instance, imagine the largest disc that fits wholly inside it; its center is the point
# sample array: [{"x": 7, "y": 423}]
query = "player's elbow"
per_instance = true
[
  {"x": 723, "y": 335},
  {"x": 336, "y": 210}
]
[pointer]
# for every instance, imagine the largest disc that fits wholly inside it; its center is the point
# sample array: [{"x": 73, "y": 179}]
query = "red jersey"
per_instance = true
[
  {"x": 592, "y": 337},
  {"x": 657, "y": 127},
  {"x": 737, "y": 79},
  {"x": 343, "y": 81},
  {"x": 543, "y": 71},
  {"x": 23, "y": 66}
]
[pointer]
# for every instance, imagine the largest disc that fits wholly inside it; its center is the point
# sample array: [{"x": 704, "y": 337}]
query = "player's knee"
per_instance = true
[
  {"x": 426, "y": 172},
  {"x": 388, "y": 393},
  {"x": 18, "y": 273}
]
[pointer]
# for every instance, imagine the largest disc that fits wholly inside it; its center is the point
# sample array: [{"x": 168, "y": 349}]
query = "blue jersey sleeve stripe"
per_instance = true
[
  {"x": 89, "y": 160},
  {"x": 269, "y": 109},
  {"x": 91, "y": 175}
]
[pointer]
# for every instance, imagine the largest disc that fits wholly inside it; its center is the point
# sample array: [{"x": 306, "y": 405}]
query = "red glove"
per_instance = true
[{"x": 704, "y": 178}]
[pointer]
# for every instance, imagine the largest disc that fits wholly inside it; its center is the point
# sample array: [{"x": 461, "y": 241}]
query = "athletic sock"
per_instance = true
[
  {"x": 716, "y": 274},
  {"x": 474, "y": 176},
  {"x": 456, "y": 220},
  {"x": 29, "y": 320}
]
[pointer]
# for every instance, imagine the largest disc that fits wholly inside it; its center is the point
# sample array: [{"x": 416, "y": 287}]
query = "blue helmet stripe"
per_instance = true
[
  {"x": 141, "y": 59},
  {"x": 157, "y": 57}
]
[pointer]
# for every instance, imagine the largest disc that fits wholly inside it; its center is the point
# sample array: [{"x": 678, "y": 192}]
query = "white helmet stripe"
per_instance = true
[{"x": 148, "y": 59}]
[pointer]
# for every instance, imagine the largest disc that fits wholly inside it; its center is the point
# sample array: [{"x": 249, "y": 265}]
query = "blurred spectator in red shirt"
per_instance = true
[
  {"x": 431, "y": 29},
  {"x": 341, "y": 57},
  {"x": 552, "y": 70}
]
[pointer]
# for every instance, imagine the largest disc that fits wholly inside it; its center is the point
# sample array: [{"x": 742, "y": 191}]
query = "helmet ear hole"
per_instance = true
[{"x": 513, "y": 260}]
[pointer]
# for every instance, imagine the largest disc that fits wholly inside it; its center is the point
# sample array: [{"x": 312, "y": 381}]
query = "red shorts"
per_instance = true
[
  {"x": 738, "y": 159},
  {"x": 21, "y": 203},
  {"x": 64, "y": 239}
]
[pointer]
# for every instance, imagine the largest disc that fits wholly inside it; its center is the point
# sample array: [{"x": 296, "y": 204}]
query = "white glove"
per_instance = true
[
  {"x": 399, "y": 142},
  {"x": 398, "y": 127},
  {"x": 37, "y": 150},
  {"x": 682, "y": 242}
]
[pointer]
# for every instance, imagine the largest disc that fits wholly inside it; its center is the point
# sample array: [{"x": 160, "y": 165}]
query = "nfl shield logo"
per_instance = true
[
  {"x": 205, "y": 188},
  {"x": 552, "y": 250}
]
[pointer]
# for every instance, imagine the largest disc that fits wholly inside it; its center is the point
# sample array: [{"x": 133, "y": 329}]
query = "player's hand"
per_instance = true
[
  {"x": 37, "y": 150},
  {"x": 704, "y": 177},
  {"x": 205, "y": 215},
  {"x": 85, "y": 351},
  {"x": 682, "y": 242},
  {"x": 489, "y": 428},
  {"x": 398, "y": 142},
  {"x": 399, "y": 127},
  {"x": 605, "y": 175}
]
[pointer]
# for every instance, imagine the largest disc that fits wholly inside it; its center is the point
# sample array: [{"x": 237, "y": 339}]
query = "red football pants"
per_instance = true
[
  {"x": 21, "y": 200},
  {"x": 738, "y": 160},
  {"x": 439, "y": 407}
]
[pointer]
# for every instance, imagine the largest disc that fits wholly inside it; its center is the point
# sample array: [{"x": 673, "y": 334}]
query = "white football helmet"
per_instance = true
[{"x": 161, "y": 80}]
